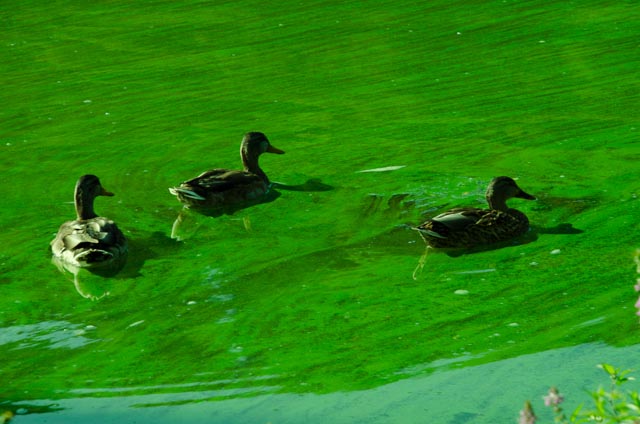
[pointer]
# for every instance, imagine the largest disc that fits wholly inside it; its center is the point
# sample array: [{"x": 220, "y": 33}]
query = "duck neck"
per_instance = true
[
  {"x": 250, "y": 163},
  {"x": 497, "y": 204},
  {"x": 84, "y": 204}
]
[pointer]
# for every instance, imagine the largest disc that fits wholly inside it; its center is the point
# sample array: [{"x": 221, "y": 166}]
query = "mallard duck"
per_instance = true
[
  {"x": 469, "y": 227},
  {"x": 91, "y": 240},
  {"x": 223, "y": 188}
]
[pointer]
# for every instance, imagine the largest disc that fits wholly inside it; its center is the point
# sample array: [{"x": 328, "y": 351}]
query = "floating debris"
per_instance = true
[
  {"x": 461, "y": 292},
  {"x": 135, "y": 324},
  {"x": 384, "y": 169},
  {"x": 476, "y": 271}
]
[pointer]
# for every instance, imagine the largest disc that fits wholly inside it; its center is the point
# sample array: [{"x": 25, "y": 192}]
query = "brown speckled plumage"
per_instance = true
[{"x": 469, "y": 227}]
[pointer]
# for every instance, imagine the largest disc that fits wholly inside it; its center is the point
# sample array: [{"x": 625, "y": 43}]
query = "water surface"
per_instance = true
[{"x": 306, "y": 307}]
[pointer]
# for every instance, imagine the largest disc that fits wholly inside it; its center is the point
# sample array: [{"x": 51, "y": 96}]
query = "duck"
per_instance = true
[
  {"x": 225, "y": 188},
  {"x": 90, "y": 241},
  {"x": 470, "y": 227}
]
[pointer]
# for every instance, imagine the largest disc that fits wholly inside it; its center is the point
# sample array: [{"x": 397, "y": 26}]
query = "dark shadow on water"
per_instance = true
[
  {"x": 312, "y": 184},
  {"x": 575, "y": 205},
  {"x": 565, "y": 228},
  {"x": 142, "y": 249}
]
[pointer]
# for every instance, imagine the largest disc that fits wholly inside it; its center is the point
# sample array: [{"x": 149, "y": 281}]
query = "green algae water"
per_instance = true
[{"x": 319, "y": 305}]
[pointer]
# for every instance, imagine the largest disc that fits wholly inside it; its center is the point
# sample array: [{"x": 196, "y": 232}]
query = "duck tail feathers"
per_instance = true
[{"x": 177, "y": 191}]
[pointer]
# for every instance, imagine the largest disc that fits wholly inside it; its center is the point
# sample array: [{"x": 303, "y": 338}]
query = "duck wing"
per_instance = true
[
  {"x": 460, "y": 218},
  {"x": 219, "y": 180},
  {"x": 451, "y": 222}
]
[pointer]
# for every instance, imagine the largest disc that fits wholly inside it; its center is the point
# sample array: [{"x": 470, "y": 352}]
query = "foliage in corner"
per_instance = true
[{"x": 609, "y": 406}]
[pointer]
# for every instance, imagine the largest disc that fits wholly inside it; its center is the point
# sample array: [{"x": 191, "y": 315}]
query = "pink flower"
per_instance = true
[{"x": 554, "y": 398}]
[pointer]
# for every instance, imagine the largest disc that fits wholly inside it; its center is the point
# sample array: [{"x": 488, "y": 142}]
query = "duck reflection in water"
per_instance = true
[{"x": 93, "y": 284}]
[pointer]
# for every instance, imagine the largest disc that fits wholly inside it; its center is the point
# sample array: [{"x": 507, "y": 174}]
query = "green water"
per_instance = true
[{"x": 306, "y": 307}]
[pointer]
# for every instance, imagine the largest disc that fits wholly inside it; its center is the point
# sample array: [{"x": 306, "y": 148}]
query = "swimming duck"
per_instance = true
[
  {"x": 91, "y": 240},
  {"x": 222, "y": 188},
  {"x": 469, "y": 227}
]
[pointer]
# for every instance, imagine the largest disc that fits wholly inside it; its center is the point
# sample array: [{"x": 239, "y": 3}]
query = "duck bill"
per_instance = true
[
  {"x": 275, "y": 150},
  {"x": 104, "y": 192},
  {"x": 524, "y": 195}
]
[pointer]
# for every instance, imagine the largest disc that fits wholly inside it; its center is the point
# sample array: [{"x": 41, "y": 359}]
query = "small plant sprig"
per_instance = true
[
  {"x": 612, "y": 406},
  {"x": 527, "y": 416},
  {"x": 553, "y": 400},
  {"x": 615, "y": 405}
]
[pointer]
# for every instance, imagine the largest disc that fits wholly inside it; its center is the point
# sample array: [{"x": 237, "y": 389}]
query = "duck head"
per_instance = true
[
  {"x": 502, "y": 189},
  {"x": 256, "y": 143},
  {"x": 253, "y": 145},
  {"x": 87, "y": 189}
]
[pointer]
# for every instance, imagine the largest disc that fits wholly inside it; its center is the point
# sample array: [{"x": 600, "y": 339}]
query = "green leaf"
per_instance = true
[{"x": 609, "y": 369}]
